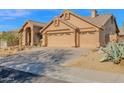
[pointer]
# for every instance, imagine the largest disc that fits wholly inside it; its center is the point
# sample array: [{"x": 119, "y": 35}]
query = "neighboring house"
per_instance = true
[
  {"x": 29, "y": 34},
  {"x": 72, "y": 30}
]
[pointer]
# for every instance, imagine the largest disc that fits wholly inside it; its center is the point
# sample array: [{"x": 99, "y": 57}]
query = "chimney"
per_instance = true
[{"x": 93, "y": 13}]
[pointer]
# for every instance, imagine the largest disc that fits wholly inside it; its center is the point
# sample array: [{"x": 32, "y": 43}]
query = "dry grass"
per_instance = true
[
  {"x": 91, "y": 61},
  {"x": 8, "y": 51}
]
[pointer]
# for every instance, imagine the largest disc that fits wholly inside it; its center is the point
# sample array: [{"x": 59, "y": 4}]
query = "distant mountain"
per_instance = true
[{"x": 15, "y": 30}]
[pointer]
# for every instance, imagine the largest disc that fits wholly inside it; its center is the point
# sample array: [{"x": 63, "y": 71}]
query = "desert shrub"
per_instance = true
[
  {"x": 113, "y": 52},
  {"x": 10, "y": 37}
]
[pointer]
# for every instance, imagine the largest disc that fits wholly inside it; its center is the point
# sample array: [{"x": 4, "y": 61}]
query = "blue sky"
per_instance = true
[{"x": 14, "y": 19}]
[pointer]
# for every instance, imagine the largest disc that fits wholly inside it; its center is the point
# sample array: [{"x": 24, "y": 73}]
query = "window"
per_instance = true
[{"x": 66, "y": 16}]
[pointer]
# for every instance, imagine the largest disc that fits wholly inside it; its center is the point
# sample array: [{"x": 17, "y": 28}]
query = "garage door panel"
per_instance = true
[
  {"x": 89, "y": 39},
  {"x": 61, "y": 39}
]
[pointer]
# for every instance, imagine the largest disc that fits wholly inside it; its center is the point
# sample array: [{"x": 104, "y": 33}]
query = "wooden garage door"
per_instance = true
[
  {"x": 61, "y": 39},
  {"x": 89, "y": 39}
]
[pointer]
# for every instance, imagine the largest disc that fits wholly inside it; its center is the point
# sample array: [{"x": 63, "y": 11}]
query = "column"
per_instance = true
[
  {"x": 32, "y": 36},
  {"x": 24, "y": 37}
]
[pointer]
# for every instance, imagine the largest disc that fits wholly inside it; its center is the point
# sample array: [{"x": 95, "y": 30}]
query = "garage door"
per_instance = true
[
  {"x": 61, "y": 39},
  {"x": 89, "y": 39}
]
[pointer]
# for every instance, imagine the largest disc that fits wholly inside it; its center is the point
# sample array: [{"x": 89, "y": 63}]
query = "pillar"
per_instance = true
[
  {"x": 24, "y": 37},
  {"x": 45, "y": 40},
  {"x": 32, "y": 36}
]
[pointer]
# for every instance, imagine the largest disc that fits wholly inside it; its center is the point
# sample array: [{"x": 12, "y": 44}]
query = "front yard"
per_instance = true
[
  {"x": 91, "y": 61},
  {"x": 64, "y": 65}
]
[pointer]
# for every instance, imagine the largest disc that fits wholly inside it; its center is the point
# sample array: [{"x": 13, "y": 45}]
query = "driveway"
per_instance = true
[
  {"x": 40, "y": 60},
  {"x": 44, "y": 65}
]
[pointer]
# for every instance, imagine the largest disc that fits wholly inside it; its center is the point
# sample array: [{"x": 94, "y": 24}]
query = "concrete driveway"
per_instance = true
[{"x": 47, "y": 62}]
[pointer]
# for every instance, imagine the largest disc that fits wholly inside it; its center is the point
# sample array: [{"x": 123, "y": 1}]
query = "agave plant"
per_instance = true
[{"x": 114, "y": 52}]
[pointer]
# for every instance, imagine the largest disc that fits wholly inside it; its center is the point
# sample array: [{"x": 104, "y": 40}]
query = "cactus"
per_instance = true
[{"x": 114, "y": 52}]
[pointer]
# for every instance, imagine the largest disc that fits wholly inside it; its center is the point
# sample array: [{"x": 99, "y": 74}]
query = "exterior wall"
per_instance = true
[
  {"x": 23, "y": 38},
  {"x": 109, "y": 29},
  {"x": 88, "y": 35},
  {"x": 78, "y": 22},
  {"x": 24, "y": 35},
  {"x": 89, "y": 38},
  {"x": 61, "y": 26}
]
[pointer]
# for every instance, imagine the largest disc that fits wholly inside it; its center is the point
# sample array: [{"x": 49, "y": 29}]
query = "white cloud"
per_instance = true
[
  {"x": 3, "y": 25},
  {"x": 13, "y": 14}
]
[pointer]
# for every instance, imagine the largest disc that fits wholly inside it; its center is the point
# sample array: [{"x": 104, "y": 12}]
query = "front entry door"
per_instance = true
[{"x": 28, "y": 37}]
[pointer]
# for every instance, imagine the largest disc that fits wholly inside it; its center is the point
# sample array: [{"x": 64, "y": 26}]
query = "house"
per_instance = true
[
  {"x": 72, "y": 30},
  {"x": 29, "y": 34}
]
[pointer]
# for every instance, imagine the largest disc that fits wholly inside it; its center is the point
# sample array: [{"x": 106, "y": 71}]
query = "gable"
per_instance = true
[
  {"x": 111, "y": 26},
  {"x": 31, "y": 23},
  {"x": 77, "y": 20},
  {"x": 26, "y": 25},
  {"x": 62, "y": 25}
]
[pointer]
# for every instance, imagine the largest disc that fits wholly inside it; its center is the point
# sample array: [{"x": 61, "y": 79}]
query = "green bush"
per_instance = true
[{"x": 10, "y": 37}]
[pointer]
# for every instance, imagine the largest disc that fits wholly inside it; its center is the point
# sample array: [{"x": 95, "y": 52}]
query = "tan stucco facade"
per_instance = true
[
  {"x": 29, "y": 34},
  {"x": 59, "y": 36},
  {"x": 72, "y": 31}
]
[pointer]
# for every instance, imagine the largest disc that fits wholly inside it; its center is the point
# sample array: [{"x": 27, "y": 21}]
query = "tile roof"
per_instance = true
[
  {"x": 33, "y": 23},
  {"x": 36, "y": 23},
  {"x": 99, "y": 20}
]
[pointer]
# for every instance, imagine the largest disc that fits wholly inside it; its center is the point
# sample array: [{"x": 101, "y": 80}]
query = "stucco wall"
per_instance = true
[
  {"x": 109, "y": 29},
  {"x": 60, "y": 26},
  {"x": 34, "y": 34},
  {"x": 23, "y": 38},
  {"x": 84, "y": 40},
  {"x": 78, "y": 22}
]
